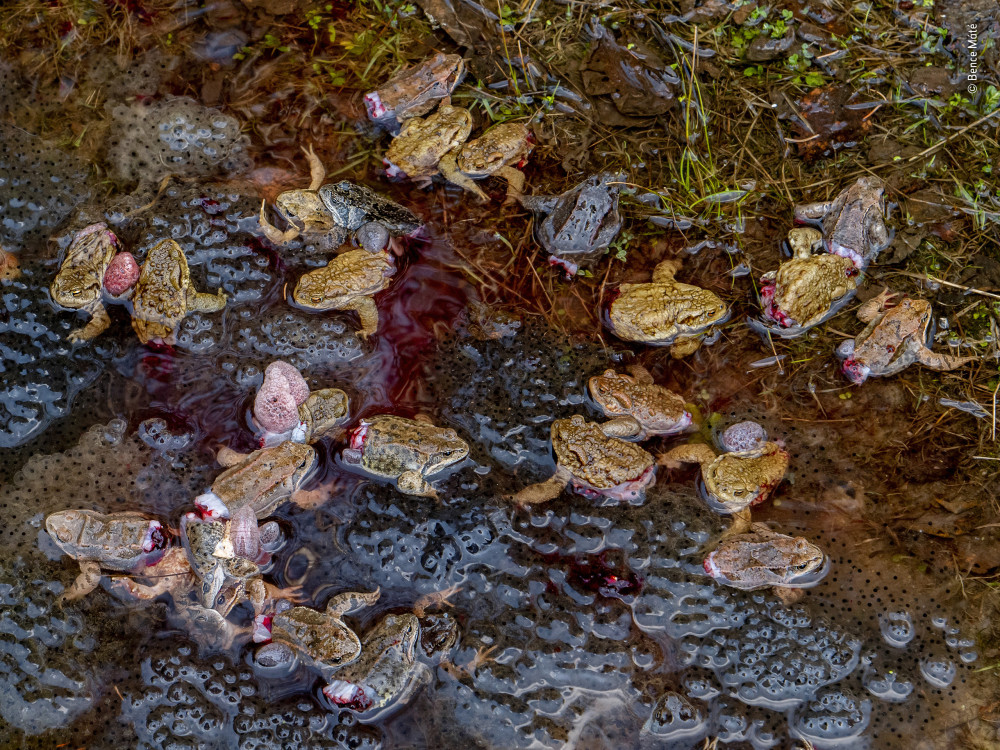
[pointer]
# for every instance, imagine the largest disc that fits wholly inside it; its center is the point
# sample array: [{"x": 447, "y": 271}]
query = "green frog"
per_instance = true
[
  {"x": 79, "y": 283},
  {"x": 164, "y": 295},
  {"x": 348, "y": 282},
  {"x": 405, "y": 450}
]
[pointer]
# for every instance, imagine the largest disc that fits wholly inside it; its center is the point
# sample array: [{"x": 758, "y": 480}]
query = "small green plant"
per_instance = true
[{"x": 619, "y": 248}]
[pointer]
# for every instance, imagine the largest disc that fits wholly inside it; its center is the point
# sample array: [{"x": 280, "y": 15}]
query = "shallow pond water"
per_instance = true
[{"x": 582, "y": 622}]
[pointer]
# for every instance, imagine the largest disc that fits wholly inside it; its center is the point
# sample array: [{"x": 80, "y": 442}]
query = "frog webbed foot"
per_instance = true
[
  {"x": 98, "y": 324},
  {"x": 542, "y": 492},
  {"x": 622, "y": 427},
  {"x": 413, "y": 483},
  {"x": 434, "y": 599},
  {"x": 740, "y": 525},
  {"x": 87, "y": 581},
  {"x": 368, "y": 313}
]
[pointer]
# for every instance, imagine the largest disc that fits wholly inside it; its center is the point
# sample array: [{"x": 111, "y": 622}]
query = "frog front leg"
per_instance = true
[
  {"x": 98, "y": 324},
  {"x": 622, "y": 427},
  {"x": 871, "y": 309},
  {"x": 684, "y": 345},
  {"x": 413, "y": 483},
  {"x": 448, "y": 166},
  {"x": 367, "y": 312},
  {"x": 87, "y": 581},
  {"x": 542, "y": 492},
  {"x": 204, "y": 302},
  {"x": 515, "y": 182},
  {"x": 126, "y": 588}
]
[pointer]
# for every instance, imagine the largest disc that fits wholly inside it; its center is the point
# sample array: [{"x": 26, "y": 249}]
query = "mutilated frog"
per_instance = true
[
  {"x": 321, "y": 639},
  {"x": 579, "y": 225},
  {"x": 348, "y": 282},
  {"x": 416, "y": 152},
  {"x": 734, "y": 481},
  {"x": 261, "y": 480},
  {"x": 416, "y": 90},
  {"x": 808, "y": 289},
  {"x": 853, "y": 223},
  {"x": 897, "y": 335},
  {"x": 499, "y": 151},
  {"x": 594, "y": 464},
  {"x": 224, "y": 579},
  {"x": 639, "y": 408},
  {"x": 79, "y": 283},
  {"x": 122, "y": 542},
  {"x": 405, "y": 450},
  {"x": 285, "y": 409},
  {"x": 666, "y": 311},
  {"x": 322, "y": 214},
  {"x": 763, "y": 558},
  {"x": 164, "y": 295}
]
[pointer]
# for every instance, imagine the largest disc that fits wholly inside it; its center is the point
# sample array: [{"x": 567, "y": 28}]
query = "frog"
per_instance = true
[
  {"x": 593, "y": 464},
  {"x": 416, "y": 90},
  {"x": 808, "y": 289},
  {"x": 9, "y": 266},
  {"x": 666, "y": 312},
  {"x": 576, "y": 227},
  {"x": 223, "y": 578},
  {"x": 261, "y": 479},
  {"x": 407, "y": 451},
  {"x": 78, "y": 284},
  {"x": 639, "y": 408},
  {"x": 853, "y": 223},
  {"x": 763, "y": 558},
  {"x": 323, "y": 412},
  {"x": 123, "y": 542},
  {"x": 348, "y": 282},
  {"x": 320, "y": 638},
  {"x": 498, "y": 151},
  {"x": 897, "y": 335},
  {"x": 352, "y": 206},
  {"x": 416, "y": 152},
  {"x": 164, "y": 295},
  {"x": 734, "y": 481}
]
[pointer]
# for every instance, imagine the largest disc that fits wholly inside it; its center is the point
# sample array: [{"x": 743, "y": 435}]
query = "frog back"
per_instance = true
[
  {"x": 119, "y": 541},
  {"x": 81, "y": 275}
]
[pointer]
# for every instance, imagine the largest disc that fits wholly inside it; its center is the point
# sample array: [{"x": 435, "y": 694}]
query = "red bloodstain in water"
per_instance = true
[{"x": 598, "y": 575}]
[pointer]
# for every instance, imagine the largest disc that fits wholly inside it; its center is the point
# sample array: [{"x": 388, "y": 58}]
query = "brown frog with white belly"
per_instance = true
[
  {"x": 416, "y": 90},
  {"x": 639, "y": 408},
  {"x": 665, "y": 311},
  {"x": 404, "y": 450},
  {"x": 594, "y": 464},
  {"x": 416, "y": 152},
  {"x": 164, "y": 295},
  {"x": 122, "y": 542},
  {"x": 853, "y": 223},
  {"x": 762, "y": 558},
  {"x": 498, "y": 151},
  {"x": 737, "y": 480},
  {"x": 348, "y": 282},
  {"x": 79, "y": 283},
  {"x": 261, "y": 479},
  {"x": 897, "y": 335}
]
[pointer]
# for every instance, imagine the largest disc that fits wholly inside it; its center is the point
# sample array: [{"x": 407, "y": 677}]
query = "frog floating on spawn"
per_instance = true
[
  {"x": 762, "y": 558},
  {"x": 577, "y": 226},
  {"x": 164, "y": 295},
  {"x": 594, "y": 464},
  {"x": 639, "y": 408},
  {"x": 123, "y": 542},
  {"x": 897, "y": 335},
  {"x": 665, "y": 311},
  {"x": 348, "y": 282},
  {"x": 407, "y": 451},
  {"x": 79, "y": 283},
  {"x": 415, "y": 91},
  {"x": 853, "y": 223},
  {"x": 498, "y": 151}
]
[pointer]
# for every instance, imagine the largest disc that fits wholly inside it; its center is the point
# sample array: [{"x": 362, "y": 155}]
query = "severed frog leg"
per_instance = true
[
  {"x": 98, "y": 324},
  {"x": 813, "y": 210},
  {"x": 641, "y": 374},
  {"x": 317, "y": 172},
  {"x": 271, "y": 232},
  {"x": 692, "y": 453},
  {"x": 87, "y": 581},
  {"x": 368, "y": 312},
  {"x": 228, "y": 457},
  {"x": 542, "y": 492},
  {"x": 448, "y": 166},
  {"x": 127, "y": 588},
  {"x": 621, "y": 427}
]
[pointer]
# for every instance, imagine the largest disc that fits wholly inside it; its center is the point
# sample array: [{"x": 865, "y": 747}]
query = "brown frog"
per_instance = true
[
  {"x": 164, "y": 295},
  {"x": 897, "y": 335},
  {"x": 763, "y": 558},
  {"x": 9, "y": 266},
  {"x": 499, "y": 151},
  {"x": 853, "y": 223},
  {"x": 348, "y": 282},
  {"x": 261, "y": 479},
  {"x": 320, "y": 638},
  {"x": 734, "y": 481},
  {"x": 123, "y": 542},
  {"x": 808, "y": 289},
  {"x": 666, "y": 311},
  {"x": 404, "y": 450},
  {"x": 78, "y": 285},
  {"x": 593, "y": 464},
  {"x": 639, "y": 408},
  {"x": 416, "y": 152},
  {"x": 416, "y": 90},
  {"x": 224, "y": 579}
]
